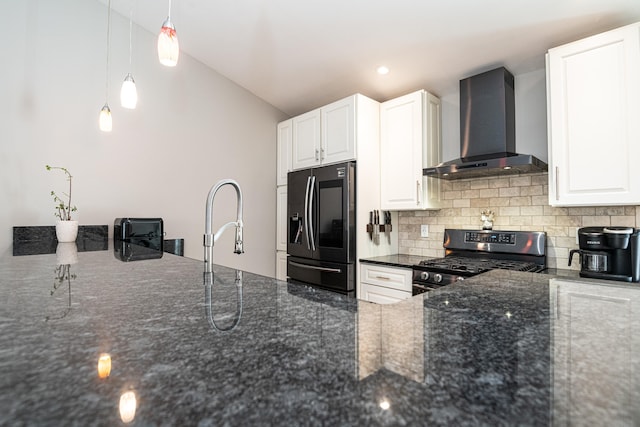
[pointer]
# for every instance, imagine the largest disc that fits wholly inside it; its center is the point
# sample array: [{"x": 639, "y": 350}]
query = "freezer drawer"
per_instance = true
[{"x": 337, "y": 277}]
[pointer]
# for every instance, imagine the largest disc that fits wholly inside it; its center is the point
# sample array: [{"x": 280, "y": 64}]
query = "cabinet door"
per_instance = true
[
  {"x": 404, "y": 151},
  {"x": 281, "y": 218},
  {"x": 595, "y": 338},
  {"x": 593, "y": 107},
  {"x": 284, "y": 147},
  {"x": 338, "y": 131},
  {"x": 306, "y": 140}
]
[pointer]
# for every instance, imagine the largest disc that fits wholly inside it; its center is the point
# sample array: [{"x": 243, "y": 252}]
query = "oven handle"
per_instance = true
[{"x": 313, "y": 267}]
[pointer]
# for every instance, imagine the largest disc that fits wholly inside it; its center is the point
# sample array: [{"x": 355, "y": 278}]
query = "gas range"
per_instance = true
[{"x": 471, "y": 252}]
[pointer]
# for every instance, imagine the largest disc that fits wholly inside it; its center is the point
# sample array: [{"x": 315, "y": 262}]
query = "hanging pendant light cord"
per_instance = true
[
  {"x": 130, "y": 31},
  {"x": 169, "y": 14},
  {"x": 106, "y": 95}
]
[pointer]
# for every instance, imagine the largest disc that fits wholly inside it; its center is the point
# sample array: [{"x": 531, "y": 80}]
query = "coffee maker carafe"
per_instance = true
[{"x": 610, "y": 253}]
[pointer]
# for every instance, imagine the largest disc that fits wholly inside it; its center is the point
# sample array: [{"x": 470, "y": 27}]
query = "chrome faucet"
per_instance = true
[{"x": 209, "y": 237}]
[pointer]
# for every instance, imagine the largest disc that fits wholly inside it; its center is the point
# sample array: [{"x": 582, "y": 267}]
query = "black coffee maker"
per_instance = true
[{"x": 610, "y": 253}]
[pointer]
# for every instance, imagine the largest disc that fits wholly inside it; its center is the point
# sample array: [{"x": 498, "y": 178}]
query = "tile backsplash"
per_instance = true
[{"x": 520, "y": 202}]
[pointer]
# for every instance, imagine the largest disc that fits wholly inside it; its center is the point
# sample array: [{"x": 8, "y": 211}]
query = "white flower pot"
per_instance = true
[
  {"x": 66, "y": 253},
  {"x": 66, "y": 231}
]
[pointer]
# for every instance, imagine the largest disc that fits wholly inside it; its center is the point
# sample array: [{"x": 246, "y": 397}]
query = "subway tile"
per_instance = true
[
  {"x": 461, "y": 203},
  {"x": 509, "y": 211},
  {"x": 449, "y": 195},
  {"x": 533, "y": 190},
  {"x": 470, "y": 194},
  {"x": 499, "y": 183},
  {"x": 609, "y": 210},
  {"x": 460, "y": 185},
  {"x": 491, "y": 192},
  {"x": 544, "y": 220},
  {"x": 550, "y": 210},
  {"x": 531, "y": 210},
  {"x": 499, "y": 201},
  {"x": 556, "y": 231},
  {"x": 509, "y": 192},
  {"x": 595, "y": 221},
  {"x": 541, "y": 179},
  {"x": 481, "y": 203},
  {"x": 520, "y": 181},
  {"x": 520, "y": 220},
  {"x": 540, "y": 200},
  {"x": 479, "y": 184},
  {"x": 520, "y": 201},
  {"x": 623, "y": 221},
  {"x": 582, "y": 211}
]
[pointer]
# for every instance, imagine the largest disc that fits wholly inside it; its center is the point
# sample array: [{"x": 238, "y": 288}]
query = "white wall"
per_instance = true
[
  {"x": 531, "y": 117},
  {"x": 192, "y": 128}
]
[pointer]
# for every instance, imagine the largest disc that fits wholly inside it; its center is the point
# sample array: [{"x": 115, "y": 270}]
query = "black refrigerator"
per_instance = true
[{"x": 321, "y": 225}]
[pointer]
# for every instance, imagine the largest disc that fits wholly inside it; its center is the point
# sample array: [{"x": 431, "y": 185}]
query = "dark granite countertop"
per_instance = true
[
  {"x": 502, "y": 348},
  {"x": 396, "y": 260}
]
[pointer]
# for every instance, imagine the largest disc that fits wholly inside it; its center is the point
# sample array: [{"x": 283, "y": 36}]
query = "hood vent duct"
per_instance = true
[{"x": 487, "y": 131}]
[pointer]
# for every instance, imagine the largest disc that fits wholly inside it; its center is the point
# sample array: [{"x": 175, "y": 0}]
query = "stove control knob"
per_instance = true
[
  {"x": 459, "y": 279},
  {"x": 424, "y": 275},
  {"x": 437, "y": 278}
]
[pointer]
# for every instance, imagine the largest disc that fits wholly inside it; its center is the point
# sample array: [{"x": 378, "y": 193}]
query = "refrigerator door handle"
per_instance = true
[
  {"x": 306, "y": 212},
  {"x": 310, "y": 213},
  {"x": 313, "y": 267}
]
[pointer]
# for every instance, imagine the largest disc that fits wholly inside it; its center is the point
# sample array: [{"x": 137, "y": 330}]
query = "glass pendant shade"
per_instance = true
[
  {"x": 128, "y": 93},
  {"x": 105, "y": 119},
  {"x": 168, "y": 49}
]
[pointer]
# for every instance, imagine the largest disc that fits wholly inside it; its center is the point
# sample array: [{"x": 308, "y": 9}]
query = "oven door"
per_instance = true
[{"x": 421, "y": 288}]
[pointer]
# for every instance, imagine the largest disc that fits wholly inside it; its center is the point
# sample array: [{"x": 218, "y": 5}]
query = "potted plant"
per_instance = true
[{"x": 66, "y": 227}]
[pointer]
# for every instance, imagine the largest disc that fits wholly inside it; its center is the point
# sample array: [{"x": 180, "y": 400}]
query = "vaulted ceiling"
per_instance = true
[{"x": 300, "y": 54}]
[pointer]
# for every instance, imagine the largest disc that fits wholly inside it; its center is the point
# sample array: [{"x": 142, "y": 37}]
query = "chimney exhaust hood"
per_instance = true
[{"x": 487, "y": 131}]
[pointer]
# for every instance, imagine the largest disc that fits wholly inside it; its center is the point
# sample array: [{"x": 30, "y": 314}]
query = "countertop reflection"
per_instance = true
[{"x": 501, "y": 348}]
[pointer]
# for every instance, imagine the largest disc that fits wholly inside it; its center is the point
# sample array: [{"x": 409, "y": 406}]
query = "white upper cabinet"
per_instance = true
[
  {"x": 306, "y": 140},
  {"x": 338, "y": 131},
  {"x": 325, "y": 135},
  {"x": 284, "y": 151},
  {"x": 593, "y": 103},
  {"x": 410, "y": 140}
]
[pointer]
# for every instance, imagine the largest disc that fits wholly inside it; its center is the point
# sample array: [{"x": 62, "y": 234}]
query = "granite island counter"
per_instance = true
[{"x": 502, "y": 348}]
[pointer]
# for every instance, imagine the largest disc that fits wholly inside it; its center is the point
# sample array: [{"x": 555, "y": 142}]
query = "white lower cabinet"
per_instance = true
[
  {"x": 384, "y": 285},
  {"x": 594, "y": 339}
]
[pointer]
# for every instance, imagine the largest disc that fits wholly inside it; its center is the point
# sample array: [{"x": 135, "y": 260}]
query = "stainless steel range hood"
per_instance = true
[{"x": 487, "y": 131}]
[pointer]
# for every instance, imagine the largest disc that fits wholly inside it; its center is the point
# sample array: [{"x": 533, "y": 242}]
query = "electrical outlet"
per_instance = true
[{"x": 424, "y": 230}]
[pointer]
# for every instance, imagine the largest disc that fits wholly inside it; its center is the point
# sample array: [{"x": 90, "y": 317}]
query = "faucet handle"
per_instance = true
[{"x": 239, "y": 244}]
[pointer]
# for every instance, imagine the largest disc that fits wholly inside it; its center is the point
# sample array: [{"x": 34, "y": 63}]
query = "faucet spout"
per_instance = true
[{"x": 210, "y": 237}]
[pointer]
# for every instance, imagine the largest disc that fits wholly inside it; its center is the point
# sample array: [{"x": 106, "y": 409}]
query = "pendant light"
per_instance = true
[
  {"x": 128, "y": 92},
  {"x": 105, "y": 114},
  {"x": 168, "y": 49}
]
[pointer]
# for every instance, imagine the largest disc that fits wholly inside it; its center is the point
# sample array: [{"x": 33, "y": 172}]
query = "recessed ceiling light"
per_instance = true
[{"x": 382, "y": 70}]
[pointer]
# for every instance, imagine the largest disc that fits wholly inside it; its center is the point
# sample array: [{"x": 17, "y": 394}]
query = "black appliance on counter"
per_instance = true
[
  {"x": 610, "y": 253},
  {"x": 321, "y": 227},
  {"x": 471, "y": 252},
  {"x": 138, "y": 238}
]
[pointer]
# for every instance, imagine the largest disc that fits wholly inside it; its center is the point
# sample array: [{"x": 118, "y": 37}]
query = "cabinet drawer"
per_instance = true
[
  {"x": 382, "y": 295},
  {"x": 388, "y": 277}
]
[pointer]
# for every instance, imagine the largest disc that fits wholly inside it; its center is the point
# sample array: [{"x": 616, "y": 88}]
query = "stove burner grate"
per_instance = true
[{"x": 458, "y": 264}]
